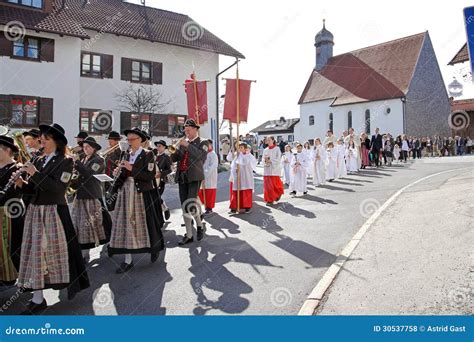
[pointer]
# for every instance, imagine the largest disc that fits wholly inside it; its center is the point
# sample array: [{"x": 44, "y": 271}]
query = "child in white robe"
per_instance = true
[
  {"x": 286, "y": 159},
  {"x": 331, "y": 162},
  {"x": 341, "y": 159},
  {"x": 307, "y": 151},
  {"x": 396, "y": 152},
  {"x": 319, "y": 163},
  {"x": 298, "y": 166},
  {"x": 351, "y": 155}
]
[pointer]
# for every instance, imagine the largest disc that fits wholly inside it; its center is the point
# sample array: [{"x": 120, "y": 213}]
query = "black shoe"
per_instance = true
[
  {"x": 35, "y": 309},
  {"x": 233, "y": 211},
  {"x": 248, "y": 211},
  {"x": 269, "y": 204},
  {"x": 200, "y": 233},
  {"x": 305, "y": 193},
  {"x": 124, "y": 268},
  {"x": 293, "y": 193},
  {"x": 154, "y": 257},
  {"x": 186, "y": 240},
  {"x": 208, "y": 211},
  {"x": 167, "y": 215},
  {"x": 278, "y": 199}
]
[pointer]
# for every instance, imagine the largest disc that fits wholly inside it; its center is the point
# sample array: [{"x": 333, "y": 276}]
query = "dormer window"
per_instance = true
[{"x": 29, "y": 3}]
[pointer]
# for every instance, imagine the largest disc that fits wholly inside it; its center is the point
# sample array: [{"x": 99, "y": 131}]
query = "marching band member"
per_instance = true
[
  {"x": 146, "y": 144},
  {"x": 50, "y": 252},
  {"x": 331, "y": 162},
  {"x": 78, "y": 149},
  {"x": 352, "y": 157},
  {"x": 272, "y": 185},
  {"x": 341, "y": 161},
  {"x": 319, "y": 163},
  {"x": 286, "y": 161},
  {"x": 112, "y": 158},
  {"x": 91, "y": 219},
  {"x": 137, "y": 218},
  {"x": 11, "y": 215},
  {"x": 190, "y": 156},
  {"x": 207, "y": 194},
  {"x": 242, "y": 167},
  {"x": 33, "y": 142},
  {"x": 163, "y": 169},
  {"x": 299, "y": 165}
]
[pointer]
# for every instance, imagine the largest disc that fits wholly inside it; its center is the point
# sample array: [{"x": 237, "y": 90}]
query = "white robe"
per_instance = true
[
  {"x": 319, "y": 165},
  {"x": 351, "y": 155},
  {"x": 286, "y": 159},
  {"x": 210, "y": 171},
  {"x": 396, "y": 152},
  {"x": 298, "y": 176},
  {"x": 247, "y": 164},
  {"x": 309, "y": 168},
  {"x": 331, "y": 163},
  {"x": 274, "y": 168},
  {"x": 341, "y": 161}
]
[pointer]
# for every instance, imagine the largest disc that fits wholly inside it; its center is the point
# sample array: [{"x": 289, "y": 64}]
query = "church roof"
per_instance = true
[
  {"x": 74, "y": 17},
  {"x": 378, "y": 72},
  {"x": 461, "y": 56}
]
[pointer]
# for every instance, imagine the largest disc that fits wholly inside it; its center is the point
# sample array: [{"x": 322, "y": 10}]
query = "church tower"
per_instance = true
[{"x": 323, "y": 42}]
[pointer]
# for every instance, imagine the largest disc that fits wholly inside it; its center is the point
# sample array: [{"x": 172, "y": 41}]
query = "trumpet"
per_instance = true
[{"x": 173, "y": 148}]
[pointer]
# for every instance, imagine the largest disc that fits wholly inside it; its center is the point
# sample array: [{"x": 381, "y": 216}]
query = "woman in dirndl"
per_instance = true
[
  {"x": 50, "y": 252},
  {"x": 91, "y": 219},
  {"x": 137, "y": 218},
  {"x": 11, "y": 215}
]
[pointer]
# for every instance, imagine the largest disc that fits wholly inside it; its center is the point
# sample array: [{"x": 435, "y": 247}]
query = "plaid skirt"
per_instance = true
[
  {"x": 10, "y": 246},
  {"x": 88, "y": 222},
  {"x": 44, "y": 257},
  {"x": 129, "y": 228}
]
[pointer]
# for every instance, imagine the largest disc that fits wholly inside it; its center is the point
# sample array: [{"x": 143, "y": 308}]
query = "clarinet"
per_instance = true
[
  {"x": 110, "y": 195},
  {"x": 13, "y": 180}
]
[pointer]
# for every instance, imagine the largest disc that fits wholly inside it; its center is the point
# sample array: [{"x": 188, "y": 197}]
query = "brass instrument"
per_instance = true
[
  {"x": 73, "y": 152},
  {"x": 173, "y": 148},
  {"x": 109, "y": 151}
]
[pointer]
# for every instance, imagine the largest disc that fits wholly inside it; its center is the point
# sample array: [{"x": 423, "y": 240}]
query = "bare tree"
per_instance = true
[{"x": 141, "y": 99}]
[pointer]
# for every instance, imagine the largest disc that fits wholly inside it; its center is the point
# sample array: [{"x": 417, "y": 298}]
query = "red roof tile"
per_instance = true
[
  {"x": 378, "y": 72},
  {"x": 121, "y": 18}
]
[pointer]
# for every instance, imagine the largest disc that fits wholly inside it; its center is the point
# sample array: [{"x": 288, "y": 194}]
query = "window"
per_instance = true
[
  {"x": 29, "y": 3},
  {"x": 331, "y": 122},
  {"x": 24, "y": 111},
  {"x": 279, "y": 138},
  {"x": 91, "y": 65},
  {"x": 175, "y": 125},
  {"x": 311, "y": 120},
  {"x": 26, "y": 48},
  {"x": 367, "y": 121},
  {"x": 141, "y": 72},
  {"x": 89, "y": 121},
  {"x": 291, "y": 138},
  {"x": 349, "y": 120},
  {"x": 141, "y": 121}
]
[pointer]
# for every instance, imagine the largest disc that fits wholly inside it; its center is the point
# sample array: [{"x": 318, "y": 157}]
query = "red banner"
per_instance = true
[
  {"x": 230, "y": 105},
  {"x": 197, "y": 90}
]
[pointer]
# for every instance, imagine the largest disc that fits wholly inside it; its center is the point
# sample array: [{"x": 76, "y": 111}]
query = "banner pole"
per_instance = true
[
  {"x": 196, "y": 114},
  {"x": 237, "y": 86}
]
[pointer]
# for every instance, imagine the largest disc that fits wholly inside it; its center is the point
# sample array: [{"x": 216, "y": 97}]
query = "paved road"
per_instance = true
[{"x": 264, "y": 263}]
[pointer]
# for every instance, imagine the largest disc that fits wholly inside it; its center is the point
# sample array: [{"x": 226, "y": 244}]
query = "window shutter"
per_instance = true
[
  {"x": 47, "y": 50},
  {"x": 125, "y": 121},
  {"x": 5, "y": 109},
  {"x": 159, "y": 125},
  {"x": 157, "y": 73},
  {"x": 6, "y": 46},
  {"x": 107, "y": 66},
  {"x": 45, "y": 111},
  {"x": 126, "y": 69}
]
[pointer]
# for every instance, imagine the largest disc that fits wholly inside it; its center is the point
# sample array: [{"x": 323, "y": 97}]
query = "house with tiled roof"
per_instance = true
[
  {"x": 67, "y": 61},
  {"x": 396, "y": 86},
  {"x": 281, "y": 129}
]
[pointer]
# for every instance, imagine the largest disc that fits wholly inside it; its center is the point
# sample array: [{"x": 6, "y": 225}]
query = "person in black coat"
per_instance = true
[
  {"x": 11, "y": 214},
  {"x": 91, "y": 219},
  {"x": 50, "y": 252},
  {"x": 376, "y": 145},
  {"x": 137, "y": 218},
  {"x": 163, "y": 169},
  {"x": 190, "y": 156}
]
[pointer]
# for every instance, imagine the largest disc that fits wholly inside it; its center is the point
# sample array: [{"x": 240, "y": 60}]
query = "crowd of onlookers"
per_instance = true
[{"x": 400, "y": 148}]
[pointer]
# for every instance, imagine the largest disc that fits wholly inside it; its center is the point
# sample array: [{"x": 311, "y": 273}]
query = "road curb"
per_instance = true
[{"x": 314, "y": 299}]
